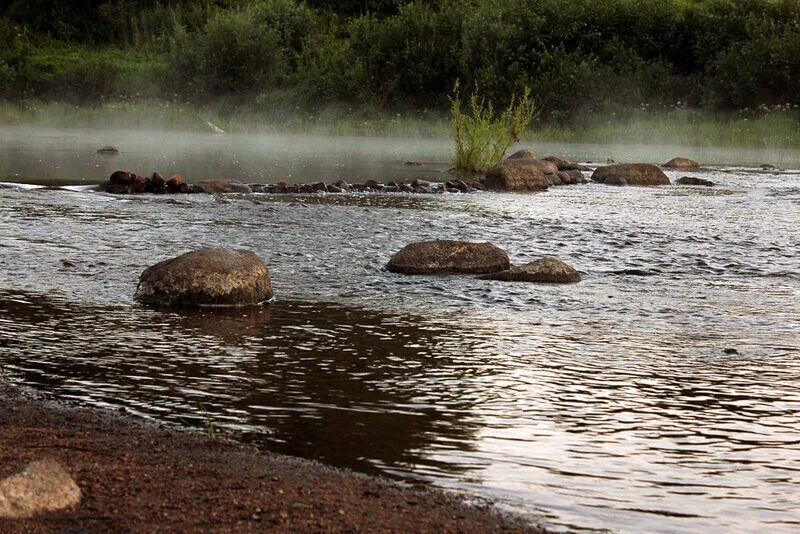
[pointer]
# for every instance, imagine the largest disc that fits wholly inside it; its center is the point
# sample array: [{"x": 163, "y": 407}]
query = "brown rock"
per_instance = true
[
  {"x": 544, "y": 270},
  {"x": 690, "y": 180},
  {"x": 43, "y": 486},
  {"x": 221, "y": 186},
  {"x": 121, "y": 177},
  {"x": 174, "y": 183},
  {"x": 641, "y": 174},
  {"x": 522, "y": 154},
  {"x": 140, "y": 184},
  {"x": 207, "y": 277},
  {"x": 428, "y": 257},
  {"x": 523, "y": 176},
  {"x": 564, "y": 165},
  {"x": 571, "y": 177},
  {"x": 682, "y": 163},
  {"x": 616, "y": 180}
]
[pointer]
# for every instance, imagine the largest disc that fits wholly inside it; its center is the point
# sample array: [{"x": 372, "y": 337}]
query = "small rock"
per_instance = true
[
  {"x": 108, "y": 150},
  {"x": 691, "y": 180},
  {"x": 319, "y": 187},
  {"x": 372, "y": 184},
  {"x": 420, "y": 183},
  {"x": 443, "y": 256},
  {"x": 221, "y": 186},
  {"x": 412, "y": 163},
  {"x": 522, "y": 154},
  {"x": 768, "y": 167},
  {"x": 730, "y": 351},
  {"x": 140, "y": 184},
  {"x": 405, "y": 188},
  {"x": 157, "y": 184},
  {"x": 682, "y": 163},
  {"x": 121, "y": 177},
  {"x": 332, "y": 188},
  {"x": 638, "y": 174},
  {"x": 174, "y": 183},
  {"x": 544, "y": 270},
  {"x": 43, "y": 486}
]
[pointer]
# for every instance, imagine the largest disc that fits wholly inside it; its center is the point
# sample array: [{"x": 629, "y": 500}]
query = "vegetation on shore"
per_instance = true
[{"x": 686, "y": 71}]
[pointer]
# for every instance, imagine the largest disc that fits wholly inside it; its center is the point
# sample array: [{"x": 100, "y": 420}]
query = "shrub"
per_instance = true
[
  {"x": 243, "y": 50},
  {"x": 481, "y": 138}
]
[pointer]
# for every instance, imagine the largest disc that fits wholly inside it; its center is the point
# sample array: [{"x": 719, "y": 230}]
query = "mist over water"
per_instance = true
[
  {"x": 68, "y": 156},
  {"x": 608, "y": 404}
]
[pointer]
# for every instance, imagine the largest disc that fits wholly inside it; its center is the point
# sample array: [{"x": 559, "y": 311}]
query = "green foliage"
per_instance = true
[
  {"x": 244, "y": 50},
  {"x": 482, "y": 138}
]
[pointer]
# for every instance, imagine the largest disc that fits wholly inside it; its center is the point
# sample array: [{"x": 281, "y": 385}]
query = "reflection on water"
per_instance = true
[{"x": 612, "y": 403}]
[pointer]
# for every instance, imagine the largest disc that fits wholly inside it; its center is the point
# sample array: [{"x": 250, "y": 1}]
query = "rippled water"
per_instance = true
[{"x": 609, "y": 404}]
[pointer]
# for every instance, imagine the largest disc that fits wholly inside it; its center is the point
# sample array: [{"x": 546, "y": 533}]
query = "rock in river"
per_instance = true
[
  {"x": 632, "y": 173},
  {"x": 43, "y": 486},
  {"x": 221, "y": 186},
  {"x": 207, "y": 277},
  {"x": 682, "y": 163},
  {"x": 544, "y": 270},
  {"x": 522, "y": 176},
  {"x": 428, "y": 257},
  {"x": 691, "y": 180}
]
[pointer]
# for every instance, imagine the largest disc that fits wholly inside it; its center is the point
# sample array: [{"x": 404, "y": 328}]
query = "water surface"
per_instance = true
[{"x": 608, "y": 404}]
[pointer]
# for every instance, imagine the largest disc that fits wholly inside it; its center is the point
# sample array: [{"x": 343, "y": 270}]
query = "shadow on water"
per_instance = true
[{"x": 324, "y": 381}]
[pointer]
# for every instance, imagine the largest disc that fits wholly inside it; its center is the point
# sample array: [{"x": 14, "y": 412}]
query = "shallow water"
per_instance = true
[{"x": 608, "y": 404}]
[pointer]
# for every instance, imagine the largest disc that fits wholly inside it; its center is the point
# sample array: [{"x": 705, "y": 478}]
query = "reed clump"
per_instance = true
[{"x": 481, "y": 136}]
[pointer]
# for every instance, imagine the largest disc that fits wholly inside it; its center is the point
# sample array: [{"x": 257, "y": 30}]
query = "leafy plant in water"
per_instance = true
[{"x": 481, "y": 138}]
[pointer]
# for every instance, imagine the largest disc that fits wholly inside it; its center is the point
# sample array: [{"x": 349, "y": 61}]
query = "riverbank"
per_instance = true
[{"x": 137, "y": 477}]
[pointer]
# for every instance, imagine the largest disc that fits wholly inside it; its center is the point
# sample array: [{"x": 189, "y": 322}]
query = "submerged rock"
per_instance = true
[
  {"x": 221, "y": 186},
  {"x": 523, "y": 176},
  {"x": 207, "y": 277},
  {"x": 429, "y": 257},
  {"x": 108, "y": 149},
  {"x": 544, "y": 270},
  {"x": 640, "y": 174},
  {"x": 43, "y": 486},
  {"x": 691, "y": 180}
]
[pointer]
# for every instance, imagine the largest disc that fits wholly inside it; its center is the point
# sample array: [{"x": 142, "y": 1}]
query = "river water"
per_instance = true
[{"x": 616, "y": 403}]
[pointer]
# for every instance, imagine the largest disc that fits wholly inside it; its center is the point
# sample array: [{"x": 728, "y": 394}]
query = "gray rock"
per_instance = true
[
  {"x": 544, "y": 270},
  {"x": 43, "y": 486},
  {"x": 428, "y": 257},
  {"x": 207, "y": 277}
]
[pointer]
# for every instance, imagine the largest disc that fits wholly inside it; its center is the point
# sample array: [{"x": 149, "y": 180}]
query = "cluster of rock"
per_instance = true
[
  {"x": 372, "y": 186},
  {"x": 523, "y": 171},
  {"x": 464, "y": 257},
  {"x": 224, "y": 277}
]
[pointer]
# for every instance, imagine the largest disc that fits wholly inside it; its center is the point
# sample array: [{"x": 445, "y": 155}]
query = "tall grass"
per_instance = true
[{"x": 482, "y": 138}]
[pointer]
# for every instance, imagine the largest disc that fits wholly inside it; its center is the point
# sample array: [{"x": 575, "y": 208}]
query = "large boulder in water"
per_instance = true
[
  {"x": 429, "y": 257},
  {"x": 207, "y": 277},
  {"x": 221, "y": 186},
  {"x": 526, "y": 175},
  {"x": 684, "y": 164},
  {"x": 642, "y": 174},
  {"x": 544, "y": 270}
]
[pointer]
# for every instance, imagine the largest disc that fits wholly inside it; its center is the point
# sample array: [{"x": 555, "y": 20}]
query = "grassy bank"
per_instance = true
[{"x": 773, "y": 129}]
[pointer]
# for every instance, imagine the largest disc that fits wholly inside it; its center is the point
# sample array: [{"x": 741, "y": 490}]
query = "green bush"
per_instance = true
[
  {"x": 242, "y": 51},
  {"x": 482, "y": 138}
]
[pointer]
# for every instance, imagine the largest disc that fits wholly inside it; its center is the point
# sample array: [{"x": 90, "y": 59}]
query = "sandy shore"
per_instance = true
[{"x": 138, "y": 477}]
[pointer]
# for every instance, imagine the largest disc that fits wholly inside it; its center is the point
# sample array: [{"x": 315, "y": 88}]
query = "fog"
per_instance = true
[{"x": 58, "y": 155}]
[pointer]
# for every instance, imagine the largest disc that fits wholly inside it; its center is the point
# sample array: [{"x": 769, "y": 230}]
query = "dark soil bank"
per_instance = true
[{"x": 136, "y": 477}]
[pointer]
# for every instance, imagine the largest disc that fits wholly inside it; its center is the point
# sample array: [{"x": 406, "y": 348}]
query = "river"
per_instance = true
[{"x": 659, "y": 394}]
